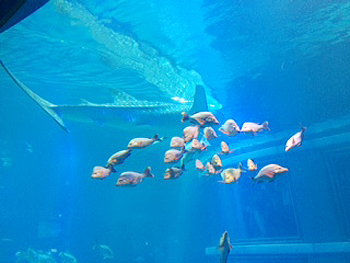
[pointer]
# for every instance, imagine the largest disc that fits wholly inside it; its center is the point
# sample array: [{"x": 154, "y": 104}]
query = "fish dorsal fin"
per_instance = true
[{"x": 199, "y": 101}]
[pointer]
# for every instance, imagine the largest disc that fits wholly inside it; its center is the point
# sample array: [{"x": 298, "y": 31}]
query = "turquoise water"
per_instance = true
[{"x": 285, "y": 61}]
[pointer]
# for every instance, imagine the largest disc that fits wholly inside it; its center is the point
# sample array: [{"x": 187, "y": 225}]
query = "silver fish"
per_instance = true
[
  {"x": 118, "y": 157},
  {"x": 133, "y": 178},
  {"x": 202, "y": 118},
  {"x": 225, "y": 149},
  {"x": 230, "y": 128},
  {"x": 177, "y": 142},
  {"x": 254, "y": 128},
  {"x": 190, "y": 133},
  {"x": 224, "y": 247},
  {"x": 269, "y": 173},
  {"x": 143, "y": 142},
  {"x": 195, "y": 145},
  {"x": 199, "y": 165},
  {"x": 173, "y": 155},
  {"x": 174, "y": 172},
  {"x": 209, "y": 133},
  {"x": 100, "y": 172},
  {"x": 296, "y": 140}
]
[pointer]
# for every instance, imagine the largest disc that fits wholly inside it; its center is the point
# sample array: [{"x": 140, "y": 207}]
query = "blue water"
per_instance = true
[{"x": 283, "y": 61}]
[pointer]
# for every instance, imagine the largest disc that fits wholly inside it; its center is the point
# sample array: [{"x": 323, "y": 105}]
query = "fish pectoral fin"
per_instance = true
[
  {"x": 200, "y": 121},
  {"x": 270, "y": 175}
]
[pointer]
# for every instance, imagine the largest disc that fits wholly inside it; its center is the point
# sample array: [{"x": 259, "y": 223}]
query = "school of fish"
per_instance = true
[{"x": 184, "y": 148}]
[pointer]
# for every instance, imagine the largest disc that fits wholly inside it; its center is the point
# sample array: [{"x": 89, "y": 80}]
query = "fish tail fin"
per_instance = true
[
  {"x": 185, "y": 116},
  {"x": 43, "y": 104},
  {"x": 303, "y": 128},
  {"x": 241, "y": 168},
  {"x": 148, "y": 173},
  {"x": 157, "y": 138},
  {"x": 254, "y": 181},
  {"x": 266, "y": 125},
  {"x": 111, "y": 168},
  {"x": 204, "y": 141}
]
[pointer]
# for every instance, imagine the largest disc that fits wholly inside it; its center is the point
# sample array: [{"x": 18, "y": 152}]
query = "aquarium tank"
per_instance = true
[{"x": 157, "y": 131}]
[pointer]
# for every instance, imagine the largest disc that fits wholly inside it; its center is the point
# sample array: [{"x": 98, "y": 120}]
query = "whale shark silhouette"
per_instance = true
[{"x": 121, "y": 114}]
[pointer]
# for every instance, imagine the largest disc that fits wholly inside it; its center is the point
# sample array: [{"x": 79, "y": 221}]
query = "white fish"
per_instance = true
[
  {"x": 118, "y": 157},
  {"x": 296, "y": 140},
  {"x": 100, "y": 172},
  {"x": 254, "y": 128},
  {"x": 174, "y": 172},
  {"x": 143, "y": 142},
  {"x": 173, "y": 155},
  {"x": 230, "y": 128},
  {"x": 195, "y": 145},
  {"x": 209, "y": 133},
  {"x": 225, "y": 149},
  {"x": 269, "y": 173},
  {"x": 224, "y": 247},
  {"x": 190, "y": 133},
  {"x": 202, "y": 118},
  {"x": 177, "y": 142},
  {"x": 133, "y": 178},
  {"x": 210, "y": 169},
  {"x": 251, "y": 165},
  {"x": 199, "y": 165}
]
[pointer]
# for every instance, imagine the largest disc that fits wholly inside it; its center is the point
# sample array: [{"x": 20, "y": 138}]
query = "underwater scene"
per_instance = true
[{"x": 157, "y": 131}]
